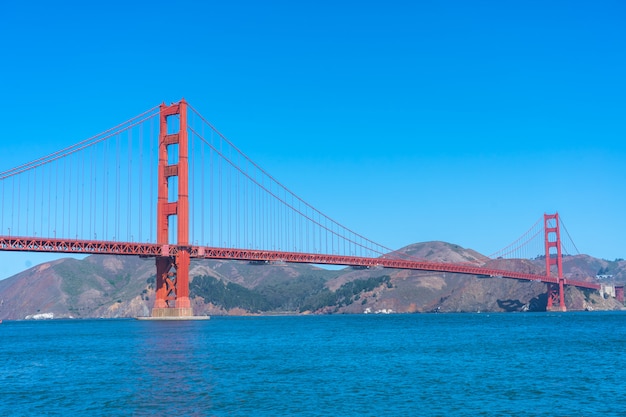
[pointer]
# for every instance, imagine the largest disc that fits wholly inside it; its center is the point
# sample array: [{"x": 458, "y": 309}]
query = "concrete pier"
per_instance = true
[{"x": 175, "y": 313}]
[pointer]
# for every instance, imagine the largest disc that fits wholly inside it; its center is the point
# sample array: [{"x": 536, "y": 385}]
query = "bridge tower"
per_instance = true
[
  {"x": 172, "y": 277},
  {"x": 552, "y": 233}
]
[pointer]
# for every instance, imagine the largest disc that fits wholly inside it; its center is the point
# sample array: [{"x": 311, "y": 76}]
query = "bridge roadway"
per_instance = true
[{"x": 76, "y": 246}]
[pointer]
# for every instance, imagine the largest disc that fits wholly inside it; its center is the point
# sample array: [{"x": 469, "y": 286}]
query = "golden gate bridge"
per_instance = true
[{"x": 167, "y": 184}]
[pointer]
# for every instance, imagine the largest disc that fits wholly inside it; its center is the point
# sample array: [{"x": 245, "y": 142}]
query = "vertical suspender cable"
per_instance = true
[
  {"x": 56, "y": 198},
  {"x": 229, "y": 210},
  {"x": 35, "y": 206},
  {"x": 3, "y": 208},
  {"x": 279, "y": 222},
  {"x": 12, "y": 205},
  {"x": 91, "y": 209},
  {"x": 212, "y": 193},
  {"x": 117, "y": 188},
  {"x": 219, "y": 162},
  {"x": 192, "y": 183},
  {"x": 265, "y": 218},
  {"x": 94, "y": 178},
  {"x": 105, "y": 187},
  {"x": 202, "y": 191},
  {"x": 82, "y": 201},
  {"x": 244, "y": 210},
  {"x": 63, "y": 195},
  {"x": 272, "y": 203},
  {"x": 49, "y": 197},
  {"x": 238, "y": 225},
  {"x": 27, "y": 201},
  {"x": 129, "y": 236},
  {"x": 253, "y": 217},
  {"x": 69, "y": 197},
  {"x": 141, "y": 156},
  {"x": 152, "y": 160}
]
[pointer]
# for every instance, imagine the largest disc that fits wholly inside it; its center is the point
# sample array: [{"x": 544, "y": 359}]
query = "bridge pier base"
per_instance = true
[
  {"x": 556, "y": 298},
  {"x": 172, "y": 312},
  {"x": 172, "y": 286}
]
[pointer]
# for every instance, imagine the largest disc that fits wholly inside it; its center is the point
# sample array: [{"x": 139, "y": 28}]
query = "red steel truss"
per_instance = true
[
  {"x": 91, "y": 247},
  {"x": 204, "y": 252}
]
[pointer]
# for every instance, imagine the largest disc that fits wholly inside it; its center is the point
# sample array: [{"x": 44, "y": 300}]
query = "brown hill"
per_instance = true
[
  {"x": 98, "y": 286},
  {"x": 415, "y": 291},
  {"x": 123, "y": 286},
  {"x": 418, "y": 291},
  {"x": 110, "y": 286}
]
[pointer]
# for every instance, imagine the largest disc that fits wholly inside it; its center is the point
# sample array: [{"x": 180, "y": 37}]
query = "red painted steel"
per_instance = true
[
  {"x": 205, "y": 252},
  {"x": 172, "y": 280},
  {"x": 88, "y": 247},
  {"x": 384, "y": 262},
  {"x": 182, "y": 257},
  {"x": 13, "y": 243},
  {"x": 619, "y": 293},
  {"x": 169, "y": 252},
  {"x": 553, "y": 240},
  {"x": 173, "y": 260},
  {"x": 553, "y": 296},
  {"x": 166, "y": 282}
]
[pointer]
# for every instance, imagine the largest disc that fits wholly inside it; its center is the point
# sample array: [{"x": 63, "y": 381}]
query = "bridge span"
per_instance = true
[
  {"x": 95, "y": 247},
  {"x": 159, "y": 183}
]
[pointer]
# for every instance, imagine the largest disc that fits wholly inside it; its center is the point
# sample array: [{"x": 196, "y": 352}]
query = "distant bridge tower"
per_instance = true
[
  {"x": 172, "y": 277},
  {"x": 553, "y": 242}
]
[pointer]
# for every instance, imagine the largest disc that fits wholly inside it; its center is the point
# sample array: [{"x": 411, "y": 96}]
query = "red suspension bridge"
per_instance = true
[{"x": 166, "y": 184}]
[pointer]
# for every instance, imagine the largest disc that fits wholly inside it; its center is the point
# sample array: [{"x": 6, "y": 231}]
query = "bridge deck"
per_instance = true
[{"x": 27, "y": 244}]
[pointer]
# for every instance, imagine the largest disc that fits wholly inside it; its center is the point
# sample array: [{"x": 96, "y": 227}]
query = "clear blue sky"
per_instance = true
[{"x": 461, "y": 121}]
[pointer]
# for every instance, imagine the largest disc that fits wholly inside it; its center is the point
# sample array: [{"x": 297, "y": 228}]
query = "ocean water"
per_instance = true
[{"x": 534, "y": 364}]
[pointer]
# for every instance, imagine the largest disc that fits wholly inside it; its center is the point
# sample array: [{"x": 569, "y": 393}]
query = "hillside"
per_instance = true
[{"x": 110, "y": 286}]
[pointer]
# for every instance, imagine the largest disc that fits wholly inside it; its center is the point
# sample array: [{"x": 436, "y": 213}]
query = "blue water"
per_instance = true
[{"x": 552, "y": 364}]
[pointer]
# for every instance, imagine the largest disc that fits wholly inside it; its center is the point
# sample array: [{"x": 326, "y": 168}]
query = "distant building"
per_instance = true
[
  {"x": 607, "y": 290},
  {"x": 603, "y": 276}
]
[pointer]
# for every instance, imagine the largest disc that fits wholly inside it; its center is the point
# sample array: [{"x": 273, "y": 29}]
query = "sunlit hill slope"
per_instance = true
[{"x": 116, "y": 286}]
